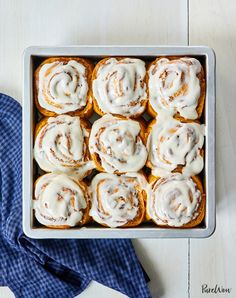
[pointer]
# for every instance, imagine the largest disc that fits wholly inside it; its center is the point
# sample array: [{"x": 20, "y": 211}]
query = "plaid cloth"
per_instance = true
[{"x": 53, "y": 268}]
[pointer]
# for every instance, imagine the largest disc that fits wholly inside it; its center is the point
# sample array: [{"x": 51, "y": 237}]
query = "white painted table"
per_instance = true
[{"x": 177, "y": 268}]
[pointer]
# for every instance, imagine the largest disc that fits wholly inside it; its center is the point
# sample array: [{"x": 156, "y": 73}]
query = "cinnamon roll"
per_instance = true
[
  {"x": 176, "y": 201},
  {"x": 61, "y": 201},
  {"x": 116, "y": 144},
  {"x": 61, "y": 85},
  {"x": 175, "y": 146},
  {"x": 176, "y": 85},
  {"x": 61, "y": 145},
  {"x": 118, "y": 201},
  {"x": 119, "y": 87}
]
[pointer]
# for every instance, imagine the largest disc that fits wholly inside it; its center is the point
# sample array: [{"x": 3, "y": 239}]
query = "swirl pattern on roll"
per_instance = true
[
  {"x": 118, "y": 200},
  {"x": 63, "y": 86},
  {"x": 174, "y": 86},
  {"x": 172, "y": 144},
  {"x": 116, "y": 144},
  {"x": 60, "y": 200},
  {"x": 174, "y": 200},
  {"x": 60, "y": 144},
  {"x": 119, "y": 86}
]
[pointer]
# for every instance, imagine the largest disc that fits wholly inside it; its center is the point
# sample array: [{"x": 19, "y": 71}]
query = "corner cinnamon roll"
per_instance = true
[
  {"x": 61, "y": 201},
  {"x": 119, "y": 87},
  {"x": 61, "y": 145},
  {"x": 175, "y": 146},
  {"x": 116, "y": 144},
  {"x": 176, "y": 85},
  {"x": 176, "y": 201},
  {"x": 118, "y": 201},
  {"x": 61, "y": 85}
]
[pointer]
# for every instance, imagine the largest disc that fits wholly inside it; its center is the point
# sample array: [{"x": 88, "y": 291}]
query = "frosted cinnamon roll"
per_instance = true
[
  {"x": 118, "y": 201},
  {"x": 176, "y": 85},
  {"x": 61, "y": 85},
  {"x": 61, "y": 145},
  {"x": 61, "y": 201},
  {"x": 116, "y": 144},
  {"x": 176, "y": 201},
  {"x": 175, "y": 146},
  {"x": 119, "y": 87}
]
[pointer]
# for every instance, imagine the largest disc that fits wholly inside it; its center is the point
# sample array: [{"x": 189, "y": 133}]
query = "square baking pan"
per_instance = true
[{"x": 33, "y": 56}]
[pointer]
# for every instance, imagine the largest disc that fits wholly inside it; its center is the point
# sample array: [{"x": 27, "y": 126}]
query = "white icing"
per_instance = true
[
  {"x": 59, "y": 200},
  {"x": 83, "y": 170},
  {"x": 119, "y": 87},
  {"x": 118, "y": 144},
  {"x": 167, "y": 78},
  {"x": 172, "y": 143},
  {"x": 174, "y": 200},
  {"x": 60, "y": 145},
  {"x": 115, "y": 199},
  {"x": 62, "y": 87}
]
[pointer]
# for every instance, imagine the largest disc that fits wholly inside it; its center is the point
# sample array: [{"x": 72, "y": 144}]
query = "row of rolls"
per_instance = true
[
  {"x": 127, "y": 200},
  {"x": 120, "y": 144},
  {"x": 120, "y": 86}
]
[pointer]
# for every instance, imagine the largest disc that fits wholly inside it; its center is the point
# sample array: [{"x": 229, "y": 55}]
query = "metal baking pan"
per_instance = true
[{"x": 33, "y": 56}]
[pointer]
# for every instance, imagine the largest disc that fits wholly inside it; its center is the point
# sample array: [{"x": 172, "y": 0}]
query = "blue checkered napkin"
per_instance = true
[{"x": 53, "y": 268}]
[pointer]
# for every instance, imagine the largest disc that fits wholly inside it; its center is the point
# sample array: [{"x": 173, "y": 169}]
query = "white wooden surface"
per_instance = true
[
  {"x": 213, "y": 261},
  {"x": 177, "y": 268}
]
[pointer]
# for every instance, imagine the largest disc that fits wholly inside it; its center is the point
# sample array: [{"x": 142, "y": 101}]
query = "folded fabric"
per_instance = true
[{"x": 52, "y": 268}]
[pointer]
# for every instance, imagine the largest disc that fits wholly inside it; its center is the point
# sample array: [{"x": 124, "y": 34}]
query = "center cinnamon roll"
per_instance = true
[{"x": 116, "y": 144}]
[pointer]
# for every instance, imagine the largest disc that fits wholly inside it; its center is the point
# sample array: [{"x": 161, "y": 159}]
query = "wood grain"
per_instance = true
[
  {"x": 55, "y": 22},
  {"x": 213, "y": 260}
]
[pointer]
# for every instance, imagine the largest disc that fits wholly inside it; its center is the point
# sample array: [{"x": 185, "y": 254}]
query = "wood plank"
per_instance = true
[
  {"x": 213, "y": 260},
  {"x": 100, "y": 22},
  {"x": 166, "y": 261}
]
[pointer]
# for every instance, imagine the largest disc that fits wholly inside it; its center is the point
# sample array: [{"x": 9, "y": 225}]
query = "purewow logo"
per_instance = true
[{"x": 215, "y": 290}]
